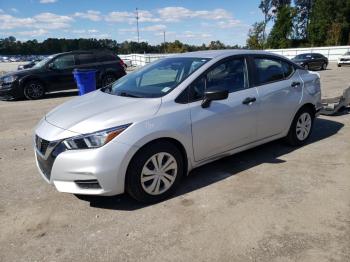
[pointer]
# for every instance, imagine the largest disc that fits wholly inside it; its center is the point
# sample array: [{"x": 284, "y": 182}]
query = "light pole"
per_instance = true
[
  {"x": 137, "y": 25},
  {"x": 164, "y": 42}
]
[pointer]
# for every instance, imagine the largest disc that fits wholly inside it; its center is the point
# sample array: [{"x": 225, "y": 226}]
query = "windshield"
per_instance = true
[
  {"x": 347, "y": 53},
  {"x": 303, "y": 56},
  {"x": 42, "y": 62},
  {"x": 156, "y": 79}
]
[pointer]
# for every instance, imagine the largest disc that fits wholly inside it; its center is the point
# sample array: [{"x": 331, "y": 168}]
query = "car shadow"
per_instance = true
[{"x": 222, "y": 169}]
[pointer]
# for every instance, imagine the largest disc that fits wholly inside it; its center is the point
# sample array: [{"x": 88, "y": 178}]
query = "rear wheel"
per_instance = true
[
  {"x": 34, "y": 90},
  {"x": 154, "y": 172},
  {"x": 108, "y": 79},
  {"x": 301, "y": 127}
]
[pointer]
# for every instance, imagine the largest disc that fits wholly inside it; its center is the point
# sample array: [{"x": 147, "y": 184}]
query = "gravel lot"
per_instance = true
[{"x": 272, "y": 203}]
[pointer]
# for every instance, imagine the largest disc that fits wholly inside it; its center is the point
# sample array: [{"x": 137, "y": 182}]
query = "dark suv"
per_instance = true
[{"x": 55, "y": 73}]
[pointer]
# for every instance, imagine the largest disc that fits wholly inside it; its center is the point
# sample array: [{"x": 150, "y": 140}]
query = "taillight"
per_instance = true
[{"x": 121, "y": 62}]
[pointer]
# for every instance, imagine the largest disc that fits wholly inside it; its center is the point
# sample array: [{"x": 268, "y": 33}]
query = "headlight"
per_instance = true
[
  {"x": 94, "y": 140},
  {"x": 9, "y": 79}
]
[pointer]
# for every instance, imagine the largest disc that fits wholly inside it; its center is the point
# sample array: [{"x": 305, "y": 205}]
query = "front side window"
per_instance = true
[
  {"x": 230, "y": 75},
  {"x": 63, "y": 62},
  {"x": 156, "y": 79},
  {"x": 268, "y": 70}
]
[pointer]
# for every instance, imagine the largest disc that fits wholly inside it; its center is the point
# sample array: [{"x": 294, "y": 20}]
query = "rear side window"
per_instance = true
[
  {"x": 86, "y": 59},
  {"x": 107, "y": 57},
  {"x": 269, "y": 70},
  {"x": 288, "y": 69}
]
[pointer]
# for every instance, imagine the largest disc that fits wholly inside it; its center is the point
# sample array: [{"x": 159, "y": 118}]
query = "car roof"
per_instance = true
[
  {"x": 94, "y": 51},
  {"x": 223, "y": 53}
]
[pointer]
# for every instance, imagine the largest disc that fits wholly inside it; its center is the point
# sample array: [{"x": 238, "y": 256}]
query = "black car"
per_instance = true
[
  {"x": 311, "y": 61},
  {"x": 55, "y": 73}
]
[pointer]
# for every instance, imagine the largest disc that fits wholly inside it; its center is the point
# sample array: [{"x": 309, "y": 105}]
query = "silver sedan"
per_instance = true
[{"x": 150, "y": 128}]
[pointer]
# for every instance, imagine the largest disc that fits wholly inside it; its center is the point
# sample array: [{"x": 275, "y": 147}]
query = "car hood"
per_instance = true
[
  {"x": 98, "y": 110},
  {"x": 345, "y": 56},
  {"x": 23, "y": 72}
]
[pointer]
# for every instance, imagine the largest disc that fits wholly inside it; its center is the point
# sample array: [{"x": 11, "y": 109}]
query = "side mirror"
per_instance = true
[{"x": 214, "y": 95}]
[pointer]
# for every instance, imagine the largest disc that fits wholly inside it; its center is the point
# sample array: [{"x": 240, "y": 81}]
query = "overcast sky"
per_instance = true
[{"x": 193, "y": 22}]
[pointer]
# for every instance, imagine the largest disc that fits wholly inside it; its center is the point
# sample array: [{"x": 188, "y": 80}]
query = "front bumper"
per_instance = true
[
  {"x": 98, "y": 171},
  {"x": 10, "y": 91}
]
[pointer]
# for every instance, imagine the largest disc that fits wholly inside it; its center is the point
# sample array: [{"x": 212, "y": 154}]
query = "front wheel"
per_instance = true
[
  {"x": 324, "y": 66},
  {"x": 34, "y": 90},
  {"x": 301, "y": 127},
  {"x": 306, "y": 67},
  {"x": 154, "y": 172}
]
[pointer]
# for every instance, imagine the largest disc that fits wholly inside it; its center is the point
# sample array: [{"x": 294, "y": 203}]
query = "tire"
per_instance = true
[
  {"x": 301, "y": 127},
  {"x": 306, "y": 67},
  {"x": 144, "y": 183},
  {"x": 339, "y": 65},
  {"x": 34, "y": 90},
  {"x": 324, "y": 66},
  {"x": 108, "y": 79}
]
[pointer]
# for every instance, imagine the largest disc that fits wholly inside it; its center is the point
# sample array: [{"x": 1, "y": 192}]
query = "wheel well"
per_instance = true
[
  {"x": 309, "y": 106},
  {"x": 26, "y": 80},
  {"x": 175, "y": 142}
]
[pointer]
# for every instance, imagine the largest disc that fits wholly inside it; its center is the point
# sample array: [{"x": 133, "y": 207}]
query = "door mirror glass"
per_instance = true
[{"x": 212, "y": 95}]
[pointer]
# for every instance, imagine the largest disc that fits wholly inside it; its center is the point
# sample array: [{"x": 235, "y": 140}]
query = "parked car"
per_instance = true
[
  {"x": 311, "y": 61},
  {"x": 344, "y": 59},
  {"x": 54, "y": 73},
  {"x": 142, "y": 134},
  {"x": 28, "y": 65}
]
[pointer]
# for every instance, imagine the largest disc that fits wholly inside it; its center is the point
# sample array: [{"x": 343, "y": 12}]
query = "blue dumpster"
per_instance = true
[{"x": 85, "y": 79}]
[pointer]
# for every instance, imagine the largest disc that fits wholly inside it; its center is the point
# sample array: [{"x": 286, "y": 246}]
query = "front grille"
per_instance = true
[{"x": 88, "y": 184}]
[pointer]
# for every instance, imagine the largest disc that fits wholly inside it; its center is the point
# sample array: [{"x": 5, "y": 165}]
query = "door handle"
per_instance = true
[
  {"x": 295, "y": 84},
  {"x": 248, "y": 100}
]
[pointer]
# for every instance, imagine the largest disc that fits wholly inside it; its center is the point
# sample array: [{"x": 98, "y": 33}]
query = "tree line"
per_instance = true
[
  {"x": 301, "y": 23},
  {"x": 10, "y": 46}
]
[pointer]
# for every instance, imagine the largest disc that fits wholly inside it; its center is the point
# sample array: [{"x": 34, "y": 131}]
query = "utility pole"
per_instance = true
[
  {"x": 164, "y": 42},
  {"x": 137, "y": 25}
]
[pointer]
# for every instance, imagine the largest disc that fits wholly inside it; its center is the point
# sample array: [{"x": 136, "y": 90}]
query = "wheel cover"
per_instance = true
[
  {"x": 34, "y": 90},
  {"x": 303, "y": 126},
  {"x": 159, "y": 173}
]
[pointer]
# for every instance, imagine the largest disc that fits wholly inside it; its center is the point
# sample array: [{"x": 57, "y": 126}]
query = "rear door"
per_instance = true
[
  {"x": 225, "y": 124},
  {"x": 60, "y": 76},
  {"x": 280, "y": 90}
]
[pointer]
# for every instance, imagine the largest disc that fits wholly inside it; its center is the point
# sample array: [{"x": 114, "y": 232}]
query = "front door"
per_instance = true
[
  {"x": 225, "y": 124},
  {"x": 61, "y": 73}
]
